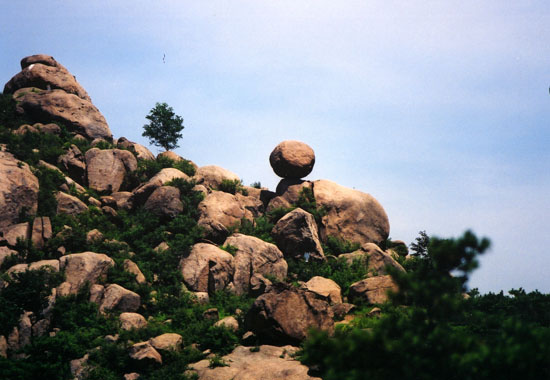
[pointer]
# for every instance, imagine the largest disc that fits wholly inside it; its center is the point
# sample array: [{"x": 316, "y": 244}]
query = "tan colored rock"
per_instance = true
[
  {"x": 6, "y": 252},
  {"x": 16, "y": 232},
  {"x": 131, "y": 267},
  {"x": 163, "y": 246},
  {"x": 13, "y": 339},
  {"x": 268, "y": 363},
  {"x": 74, "y": 163},
  {"x": 118, "y": 298},
  {"x": 170, "y": 155},
  {"x": 229, "y": 323},
  {"x": 142, "y": 153},
  {"x": 285, "y": 315},
  {"x": 96, "y": 293},
  {"x": 374, "y": 290},
  {"x": 94, "y": 236},
  {"x": 167, "y": 342},
  {"x": 50, "y": 128},
  {"x": 52, "y": 265},
  {"x": 292, "y": 159},
  {"x": 375, "y": 259},
  {"x": 46, "y": 77},
  {"x": 165, "y": 202},
  {"x": 350, "y": 214},
  {"x": 18, "y": 189},
  {"x": 207, "y": 268},
  {"x": 68, "y": 204},
  {"x": 202, "y": 297},
  {"x": 79, "y": 368},
  {"x": 79, "y": 115},
  {"x": 211, "y": 176},
  {"x": 106, "y": 168},
  {"x": 41, "y": 231},
  {"x": 142, "y": 192},
  {"x": 84, "y": 267},
  {"x": 3, "y": 347},
  {"x": 287, "y": 193},
  {"x": 341, "y": 310},
  {"x": 254, "y": 256},
  {"x": 132, "y": 376},
  {"x": 253, "y": 207},
  {"x": 121, "y": 199},
  {"x": 296, "y": 235},
  {"x": 218, "y": 212},
  {"x": 129, "y": 321},
  {"x": 144, "y": 351},
  {"x": 107, "y": 200},
  {"x": 39, "y": 58},
  {"x": 40, "y": 328},
  {"x": 25, "y": 329},
  {"x": 326, "y": 288}
]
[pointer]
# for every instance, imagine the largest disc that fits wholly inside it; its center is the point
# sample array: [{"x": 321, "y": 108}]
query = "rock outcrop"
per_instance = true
[
  {"x": 207, "y": 268},
  {"x": 265, "y": 363},
  {"x": 165, "y": 202},
  {"x": 285, "y": 314},
  {"x": 18, "y": 189},
  {"x": 374, "y": 258},
  {"x": 254, "y": 256},
  {"x": 211, "y": 176},
  {"x": 84, "y": 267},
  {"x": 118, "y": 298},
  {"x": 373, "y": 290},
  {"x": 106, "y": 168}
]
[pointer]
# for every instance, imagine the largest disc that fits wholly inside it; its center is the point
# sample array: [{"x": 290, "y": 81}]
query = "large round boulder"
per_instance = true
[
  {"x": 207, "y": 268},
  {"x": 292, "y": 159},
  {"x": 107, "y": 168},
  {"x": 350, "y": 214}
]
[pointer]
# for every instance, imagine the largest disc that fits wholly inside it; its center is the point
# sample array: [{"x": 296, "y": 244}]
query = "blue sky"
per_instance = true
[{"x": 438, "y": 109}]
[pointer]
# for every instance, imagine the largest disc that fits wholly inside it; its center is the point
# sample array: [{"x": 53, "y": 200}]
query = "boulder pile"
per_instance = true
[{"x": 233, "y": 238}]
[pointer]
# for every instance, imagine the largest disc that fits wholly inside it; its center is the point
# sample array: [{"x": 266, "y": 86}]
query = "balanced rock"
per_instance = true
[
  {"x": 266, "y": 363},
  {"x": 254, "y": 256},
  {"x": 46, "y": 73},
  {"x": 18, "y": 189},
  {"x": 373, "y": 290},
  {"x": 350, "y": 214},
  {"x": 292, "y": 159},
  {"x": 285, "y": 314},
  {"x": 207, "y": 268},
  {"x": 107, "y": 168},
  {"x": 79, "y": 115},
  {"x": 296, "y": 235}
]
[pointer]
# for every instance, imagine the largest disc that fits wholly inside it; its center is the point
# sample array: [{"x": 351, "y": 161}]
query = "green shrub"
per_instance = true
[
  {"x": 336, "y": 246},
  {"x": 232, "y": 187}
]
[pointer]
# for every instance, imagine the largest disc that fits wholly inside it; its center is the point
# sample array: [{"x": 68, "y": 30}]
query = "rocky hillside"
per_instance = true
[{"x": 119, "y": 264}]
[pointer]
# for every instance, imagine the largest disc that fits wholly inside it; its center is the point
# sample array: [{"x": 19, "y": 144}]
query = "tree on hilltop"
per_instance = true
[{"x": 164, "y": 127}]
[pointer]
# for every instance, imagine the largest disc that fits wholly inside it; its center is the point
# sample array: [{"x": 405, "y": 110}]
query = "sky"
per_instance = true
[{"x": 438, "y": 109}]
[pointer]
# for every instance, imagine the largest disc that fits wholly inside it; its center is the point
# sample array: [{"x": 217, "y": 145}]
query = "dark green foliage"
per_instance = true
[
  {"x": 256, "y": 185},
  {"x": 306, "y": 201},
  {"x": 9, "y": 118},
  {"x": 261, "y": 228},
  {"x": 336, "y": 246},
  {"x": 164, "y": 127},
  {"x": 25, "y": 291},
  {"x": 232, "y": 187},
  {"x": 420, "y": 248},
  {"x": 217, "y": 361},
  {"x": 49, "y": 181}
]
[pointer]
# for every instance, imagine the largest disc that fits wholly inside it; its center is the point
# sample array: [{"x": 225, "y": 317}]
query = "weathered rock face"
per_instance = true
[
  {"x": 375, "y": 259},
  {"x": 292, "y": 159},
  {"x": 211, "y": 176},
  {"x": 351, "y": 214},
  {"x": 16, "y": 232},
  {"x": 5, "y": 252},
  {"x": 131, "y": 267},
  {"x": 268, "y": 363},
  {"x": 165, "y": 202},
  {"x": 296, "y": 234},
  {"x": 374, "y": 290},
  {"x": 167, "y": 342},
  {"x": 207, "y": 268},
  {"x": 170, "y": 155},
  {"x": 129, "y": 321},
  {"x": 284, "y": 315},
  {"x": 325, "y": 288},
  {"x": 106, "y": 168},
  {"x": 142, "y": 192},
  {"x": 68, "y": 204},
  {"x": 79, "y": 115},
  {"x": 118, "y": 298},
  {"x": 84, "y": 267},
  {"x": 219, "y": 211},
  {"x": 73, "y": 162},
  {"x": 46, "y": 73},
  {"x": 254, "y": 256},
  {"x": 18, "y": 189},
  {"x": 229, "y": 323},
  {"x": 41, "y": 231},
  {"x": 143, "y": 351},
  {"x": 142, "y": 152},
  {"x": 288, "y": 192}
]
